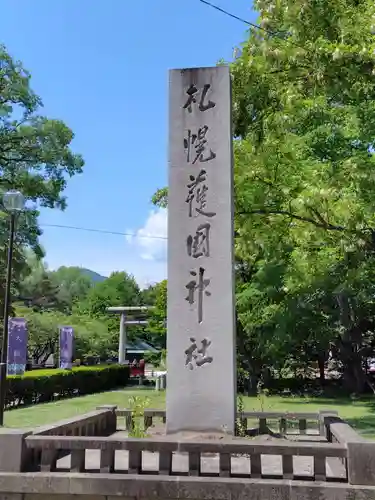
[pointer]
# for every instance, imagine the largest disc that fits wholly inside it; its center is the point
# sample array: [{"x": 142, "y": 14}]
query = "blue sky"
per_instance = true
[{"x": 102, "y": 67}]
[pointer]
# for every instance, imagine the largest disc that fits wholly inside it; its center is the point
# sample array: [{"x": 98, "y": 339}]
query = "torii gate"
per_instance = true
[{"x": 122, "y": 310}]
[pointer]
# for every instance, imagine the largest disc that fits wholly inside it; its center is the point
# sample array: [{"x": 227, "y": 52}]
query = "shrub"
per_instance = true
[
  {"x": 41, "y": 386},
  {"x": 298, "y": 386}
]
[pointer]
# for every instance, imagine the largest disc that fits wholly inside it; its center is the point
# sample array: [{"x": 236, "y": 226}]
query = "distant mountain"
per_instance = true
[{"x": 96, "y": 277}]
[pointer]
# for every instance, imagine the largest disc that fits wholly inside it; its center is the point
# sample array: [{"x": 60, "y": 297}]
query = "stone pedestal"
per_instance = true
[{"x": 201, "y": 393}]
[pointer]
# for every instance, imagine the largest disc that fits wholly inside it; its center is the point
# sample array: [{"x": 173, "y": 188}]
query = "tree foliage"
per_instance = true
[
  {"x": 158, "y": 316},
  {"x": 37, "y": 290},
  {"x": 68, "y": 297},
  {"x": 35, "y": 158},
  {"x": 73, "y": 285},
  {"x": 149, "y": 295},
  {"x": 160, "y": 198},
  {"x": 35, "y": 155},
  {"x": 91, "y": 337},
  {"x": 304, "y": 116},
  {"x": 120, "y": 289}
]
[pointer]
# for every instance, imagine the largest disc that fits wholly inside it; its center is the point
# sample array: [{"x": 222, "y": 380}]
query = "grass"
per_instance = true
[{"x": 359, "y": 413}]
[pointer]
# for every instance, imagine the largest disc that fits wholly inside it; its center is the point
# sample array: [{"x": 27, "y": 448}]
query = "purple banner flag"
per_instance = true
[
  {"x": 66, "y": 347},
  {"x": 17, "y": 346}
]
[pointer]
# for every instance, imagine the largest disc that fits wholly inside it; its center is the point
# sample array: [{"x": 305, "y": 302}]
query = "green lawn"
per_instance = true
[{"x": 359, "y": 413}]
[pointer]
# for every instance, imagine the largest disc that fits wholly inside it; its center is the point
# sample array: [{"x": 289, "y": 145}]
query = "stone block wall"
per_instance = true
[
  {"x": 77, "y": 437},
  {"x": 123, "y": 487}
]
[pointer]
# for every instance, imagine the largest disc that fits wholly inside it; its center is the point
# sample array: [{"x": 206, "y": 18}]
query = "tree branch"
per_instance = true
[
  {"x": 267, "y": 183},
  {"x": 325, "y": 225},
  {"x": 318, "y": 216}
]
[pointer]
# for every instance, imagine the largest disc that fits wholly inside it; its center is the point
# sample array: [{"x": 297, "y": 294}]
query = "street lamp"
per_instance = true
[{"x": 14, "y": 203}]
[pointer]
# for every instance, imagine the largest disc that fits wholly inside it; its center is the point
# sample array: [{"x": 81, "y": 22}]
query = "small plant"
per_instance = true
[
  {"x": 137, "y": 405},
  {"x": 240, "y": 420},
  {"x": 264, "y": 405},
  {"x": 262, "y": 395}
]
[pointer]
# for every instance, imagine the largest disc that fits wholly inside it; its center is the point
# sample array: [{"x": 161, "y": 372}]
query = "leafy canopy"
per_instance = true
[
  {"x": 35, "y": 158},
  {"x": 35, "y": 155},
  {"x": 304, "y": 117},
  {"x": 304, "y": 120}
]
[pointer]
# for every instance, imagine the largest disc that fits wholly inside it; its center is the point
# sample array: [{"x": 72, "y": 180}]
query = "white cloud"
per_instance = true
[{"x": 151, "y": 239}]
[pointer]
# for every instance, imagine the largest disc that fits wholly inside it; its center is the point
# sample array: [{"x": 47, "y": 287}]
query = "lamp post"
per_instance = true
[{"x": 14, "y": 203}]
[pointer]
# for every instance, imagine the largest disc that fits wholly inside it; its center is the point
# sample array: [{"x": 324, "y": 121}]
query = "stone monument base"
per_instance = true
[{"x": 158, "y": 431}]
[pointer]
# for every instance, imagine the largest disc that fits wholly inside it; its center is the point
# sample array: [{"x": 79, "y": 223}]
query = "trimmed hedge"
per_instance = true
[{"x": 41, "y": 386}]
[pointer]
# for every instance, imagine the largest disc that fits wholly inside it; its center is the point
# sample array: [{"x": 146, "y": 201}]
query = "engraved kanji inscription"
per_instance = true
[
  {"x": 197, "y": 357},
  {"x": 199, "y": 285},
  {"x": 199, "y": 244},
  {"x": 196, "y": 146},
  {"x": 197, "y": 195},
  {"x": 204, "y": 102}
]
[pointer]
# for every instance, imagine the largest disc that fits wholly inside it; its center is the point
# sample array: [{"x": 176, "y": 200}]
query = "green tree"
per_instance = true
[
  {"x": 160, "y": 198},
  {"x": 120, "y": 289},
  {"x": 35, "y": 158},
  {"x": 73, "y": 284},
  {"x": 37, "y": 290},
  {"x": 304, "y": 115},
  {"x": 42, "y": 333},
  {"x": 303, "y": 94},
  {"x": 34, "y": 151},
  {"x": 158, "y": 316},
  {"x": 45, "y": 296},
  {"x": 149, "y": 295},
  {"x": 91, "y": 337}
]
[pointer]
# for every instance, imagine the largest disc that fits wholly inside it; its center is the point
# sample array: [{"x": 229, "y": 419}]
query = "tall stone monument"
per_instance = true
[{"x": 201, "y": 388}]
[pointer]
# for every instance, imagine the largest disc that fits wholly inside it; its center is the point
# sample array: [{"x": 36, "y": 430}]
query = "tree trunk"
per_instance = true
[
  {"x": 354, "y": 377},
  {"x": 322, "y": 373},
  {"x": 349, "y": 345}
]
